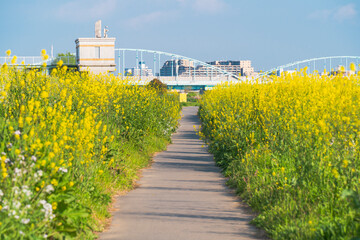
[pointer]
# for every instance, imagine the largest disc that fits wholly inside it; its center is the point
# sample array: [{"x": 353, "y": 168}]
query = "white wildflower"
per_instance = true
[
  {"x": 16, "y": 190},
  {"x": 38, "y": 174},
  {"x": 33, "y": 158},
  {"x": 49, "y": 188},
  {"x": 1, "y": 193},
  {"x": 17, "y": 204},
  {"x": 12, "y": 213},
  {"x": 2, "y": 153},
  {"x": 25, "y": 221},
  {"x": 17, "y": 171},
  {"x": 25, "y": 189},
  {"x": 7, "y": 160},
  {"x": 9, "y": 145},
  {"x": 47, "y": 210},
  {"x": 17, "y": 132},
  {"x": 63, "y": 170}
]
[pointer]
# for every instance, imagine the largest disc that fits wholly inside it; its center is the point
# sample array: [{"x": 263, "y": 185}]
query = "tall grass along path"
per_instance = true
[{"x": 182, "y": 196}]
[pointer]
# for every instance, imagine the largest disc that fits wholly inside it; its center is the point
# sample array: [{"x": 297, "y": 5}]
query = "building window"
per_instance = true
[{"x": 97, "y": 52}]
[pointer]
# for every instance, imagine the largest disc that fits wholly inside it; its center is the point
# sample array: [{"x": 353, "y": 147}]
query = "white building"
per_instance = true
[
  {"x": 141, "y": 70},
  {"x": 97, "y": 54}
]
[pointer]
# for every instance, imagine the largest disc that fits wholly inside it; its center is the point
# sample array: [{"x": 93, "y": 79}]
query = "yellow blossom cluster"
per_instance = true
[
  {"x": 291, "y": 145},
  {"x": 56, "y": 131}
]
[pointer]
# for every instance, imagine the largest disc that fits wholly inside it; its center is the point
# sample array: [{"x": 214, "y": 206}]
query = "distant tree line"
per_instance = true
[{"x": 67, "y": 58}]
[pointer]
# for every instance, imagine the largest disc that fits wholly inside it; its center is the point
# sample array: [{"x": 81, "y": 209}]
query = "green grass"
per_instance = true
[
  {"x": 192, "y": 99},
  {"x": 187, "y": 104}
]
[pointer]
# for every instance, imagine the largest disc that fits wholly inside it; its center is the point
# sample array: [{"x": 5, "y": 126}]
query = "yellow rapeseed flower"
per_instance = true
[
  {"x": 51, "y": 155},
  {"x": 60, "y": 63},
  {"x": 13, "y": 60},
  {"x": 44, "y": 94},
  {"x": 54, "y": 182},
  {"x": 335, "y": 173},
  {"x": 54, "y": 205},
  {"x": 352, "y": 67}
]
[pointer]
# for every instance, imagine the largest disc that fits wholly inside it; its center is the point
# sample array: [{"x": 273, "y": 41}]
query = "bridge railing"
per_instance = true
[
  {"x": 22, "y": 60},
  {"x": 38, "y": 60}
]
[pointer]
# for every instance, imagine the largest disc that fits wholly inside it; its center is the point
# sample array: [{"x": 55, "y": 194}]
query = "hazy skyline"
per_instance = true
[{"x": 269, "y": 33}]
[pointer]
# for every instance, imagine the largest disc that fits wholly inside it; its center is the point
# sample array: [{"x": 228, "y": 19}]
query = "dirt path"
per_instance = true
[{"x": 182, "y": 196}]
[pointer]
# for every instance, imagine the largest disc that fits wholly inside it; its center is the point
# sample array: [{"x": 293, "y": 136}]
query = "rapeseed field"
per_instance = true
[
  {"x": 290, "y": 145},
  {"x": 68, "y": 141}
]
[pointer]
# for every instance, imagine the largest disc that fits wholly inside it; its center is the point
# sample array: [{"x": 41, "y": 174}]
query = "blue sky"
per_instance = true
[{"x": 270, "y": 33}]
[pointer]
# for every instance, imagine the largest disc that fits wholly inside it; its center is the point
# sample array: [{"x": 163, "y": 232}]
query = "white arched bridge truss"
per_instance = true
[
  {"x": 196, "y": 70},
  {"x": 319, "y": 64}
]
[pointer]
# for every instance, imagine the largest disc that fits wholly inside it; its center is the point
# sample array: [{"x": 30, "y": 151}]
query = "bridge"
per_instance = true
[
  {"x": 316, "y": 64},
  {"x": 197, "y": 75}
]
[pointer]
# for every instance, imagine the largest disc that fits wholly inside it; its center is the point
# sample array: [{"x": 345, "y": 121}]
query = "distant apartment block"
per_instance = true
[
  {"x": 186, "y": 68},
  {"x": 176, "y": 67},
  {"x": 141, "y": 70},
  {"x": 242, "y": 68}
]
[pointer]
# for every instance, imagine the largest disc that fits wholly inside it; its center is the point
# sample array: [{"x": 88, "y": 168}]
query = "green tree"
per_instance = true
[
  {"x": 157, "y": 85},
  {"x": 67, "y": 58}
]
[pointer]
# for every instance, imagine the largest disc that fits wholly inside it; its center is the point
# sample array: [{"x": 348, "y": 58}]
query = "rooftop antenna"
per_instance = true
[
  {"x": 98, "y": 29},
  {"x": 106, "y": 30}
]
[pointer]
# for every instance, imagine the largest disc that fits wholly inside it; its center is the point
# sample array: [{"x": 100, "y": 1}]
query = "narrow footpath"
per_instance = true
[{"x": 182, "y": 196}]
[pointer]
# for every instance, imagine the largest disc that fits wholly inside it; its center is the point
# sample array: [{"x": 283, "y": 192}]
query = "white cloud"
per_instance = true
[
  {"x": 82, "y": 10},
  {"x": 149, "y": 18},
  {"x": 341, "y": 13},
  {"x": 345, "y": 12},
  {"x": 209, "y": 6},
  {"x": 203, "y": 6},
  {"x": 321, "y": 14}
]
